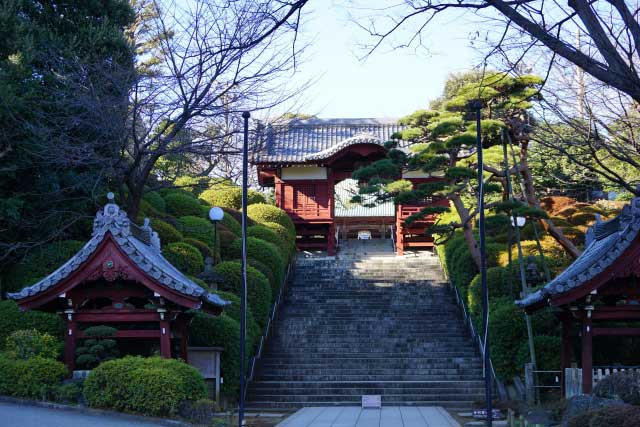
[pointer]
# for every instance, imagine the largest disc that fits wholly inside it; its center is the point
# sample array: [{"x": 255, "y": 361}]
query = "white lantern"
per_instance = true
[
  {"x": 520, "y": 221},
  {"x": 216, "y": 214}
]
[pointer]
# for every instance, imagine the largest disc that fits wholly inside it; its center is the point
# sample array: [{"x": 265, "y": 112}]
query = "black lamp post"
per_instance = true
[
  {"x": 215, "y": 215},
  {"x": 243, "y": 295},
  {"x": 477, "y": 106}
]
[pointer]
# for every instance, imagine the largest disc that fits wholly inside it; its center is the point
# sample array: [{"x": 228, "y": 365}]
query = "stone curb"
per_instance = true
[{"x": 91, "y": 411}]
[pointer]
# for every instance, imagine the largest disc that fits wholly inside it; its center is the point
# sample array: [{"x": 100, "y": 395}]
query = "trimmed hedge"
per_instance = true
[
  {"x": 182, "y": 205},
  {"x": 32, "y": 378},
  {"x": 231, "y": 223},
  {"x": 151, "y": 386},
  {"x": 268, "y": 235},
  {"x": 497, "y": 283},
  {"x": 193, "y": 227},
  {"x": 28, "y": 343},
  {"x": 167, "y": 232},
  {"x": 262, "y": 213},
  {"x": 265, "y": 252},
  {"x": 226, "y": 238},
  {"x": 223, "y": 196},
  {"x": 205, "y": 250},
  {"x": 184, "y": 257},
  {"x": 233, "y": 311},
  {"x": 262, "y": 268},
  {"x": 612, "y": 416},
  {"x": 284, "y": 235},
  {"x": 155, "y": 200},
  {"x": 547, "y": 352},
  {"x": 40, "y": 262},
  {"x": 223, "y": 331},
  {"x": 254, "y": 197},
  {"x": 507, "y": 332},
  {"x": 258, "y": 288},
  {"x": 622, "y": 385},
  {"x": 12, "y": 319}
]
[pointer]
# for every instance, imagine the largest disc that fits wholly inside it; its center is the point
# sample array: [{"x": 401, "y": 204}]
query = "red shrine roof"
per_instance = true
[
  {"x": 141, "y": 245},
  {"x": 607, "y": 246},
  {"x": 312, "y": 140}
]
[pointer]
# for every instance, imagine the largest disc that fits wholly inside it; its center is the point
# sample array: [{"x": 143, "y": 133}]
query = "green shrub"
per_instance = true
[
  {"x": 496, "y": 283},
  {"x": 200, "y": 411},
  {"x": 275, "y": 285},
  {"x": 258, "y": 288},
  {"x": 617, "y": 415},
  {"x": 27, "y": 343},
  {"x": 146, "y": 210},
  {"x": 205, "y": 330},
  {"x": 268, "y": 235},
  {"x": 226, "y": 239},
  {"x": 155, "y": 200},
  {"x": 621, "y": 385},
  {"x": 265, "y": 252},
  {"x": 262, "y": 213},
  {"x": 255, "y": 197},
  {"x": 32, "y": 378},
  {"x": 39, "y": 263},
  {"x": 193, "y": 227},
  {"x": 195, "y": 185},
  {"x": 205, "y": 250},
  {"x": 284, "y": 235},
  {"x": 182, "y": 205},
  {"x": 507, "y": 332},
  {"x": 231, "y": 224},
  {"x": 233, "y": 311},
  {"x": 12, "y": 319},
  {"x": 98, "y": 347},
  {"x": 68, "y": 393},
  {"x": 547, "y": 352},
  {"x": 151, "y": 386},
  {"x": 461, "y": 267},
  {"x": 223, "y": 196},
  {"x": 184, "y": 257},
  {"x": 166, "y": 231}
]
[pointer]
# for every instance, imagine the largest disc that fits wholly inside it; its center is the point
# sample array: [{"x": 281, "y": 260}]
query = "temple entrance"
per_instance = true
[{"x": 362, "y": 228}]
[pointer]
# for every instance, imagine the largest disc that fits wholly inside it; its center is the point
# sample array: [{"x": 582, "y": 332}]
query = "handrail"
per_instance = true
[
  {"x": 393, "y": 238},
  {"x": 268, "y": 328},
  {"x": 467, "y": 318}
]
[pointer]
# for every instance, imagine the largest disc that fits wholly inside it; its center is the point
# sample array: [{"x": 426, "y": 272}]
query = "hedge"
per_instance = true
[
  {"x": 233, "y": 311},
  {"x": 262, "y": 213},
  {"x": 223, "y": 331},
  {"x": 167, "y": 232},
  {"x": 258, "y": 288},
  {"x": 155, "y": 200},
  {"x": 255, "y": 197},
  {"x": 184, "y": 257},
  {"x": 616, "y": 415},
  {"x": 547, "y": 352},
  {"x": 151, "y": 386},
  {"x": 284, "y": 235},
  {"x": 226, "y": 238},
  {"x": 182, "y": 205},
  {"x": 621, "y": 385},
  {"x": 39, "y": 263},
  {"x": 265, "y": 252},
  {"x": 28, "y": 343},
  {"x": 268, "y": 235},
  {"x": 498, "y": 285},
  {"x": 12, "y": 319},
  {"x": 198, "y": 228},
  {"x": 264, "y": 269},
  {"x": 223, "y": 196},
  {"x": 205, "y": 250},
  {"x": 507, "y": 332},
  {"x": 231, "y": 224},
  {"x": 32, "y": 378}
]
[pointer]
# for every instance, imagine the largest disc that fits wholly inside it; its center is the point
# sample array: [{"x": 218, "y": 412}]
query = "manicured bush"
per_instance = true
[
  {"x": 12, "y": 319},
  {"x": 205, "y": 250},
  {"x": 32, "y": 378},
  {"x": 194, "y": 185},
  {"x": 255, "y": 197},
  {"x": 197, "y": 228},
  {"x": 268, "y": 235},
  {"x": 39, "y": 263},
  {"x": 223, "y": 196},
  {"x": 146, "y": 210},
  {"x": 233, "y": 311},
  {"x": 98, "y": 347},
  {"x": 265, "y": 252},
  {"x": 226, "y": 239},
  {"x": 231, "y": 223},
  {"x": 151, "y": 386},
  {"x": 555, "y": 256},
  {"x": 205, "y": 330},
  {"x": 182, "y": 205},
  {"x": 27, "y": 343},
  {"x": 497, "y": 284},
  {"x": 184, "y": 257},
  {"x": 262, "y": 268},
  {"x": 67, "y": 393},
  {"x": 262, "y": 213},
  {"x": 460, "y": 265},
  {"x": 622, "y": 385},
  {"x": 507, "y": 331},
  {"x": 167, "y": 232},
  {"x": 155, "y": 200},
  {"x": 618, "y": 416},
  {"x": 547, "y": 352},
  {"x": 258, "y": 288},
  {"x": 284, "y": 235}
]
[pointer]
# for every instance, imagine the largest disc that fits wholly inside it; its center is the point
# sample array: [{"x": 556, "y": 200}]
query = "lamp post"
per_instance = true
[
  {"x": 215, "y": 215},
  {"x": 243, "y": 261}
]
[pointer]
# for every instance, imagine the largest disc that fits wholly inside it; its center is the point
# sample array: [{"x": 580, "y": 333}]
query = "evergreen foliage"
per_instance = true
[
  {"x": 262, "y": 213},
  {"x": 98, "y": 347},
  {"x": 30, "y": 378},
  {"x": 27, "y": 343},
  {"x": 166, "y": 232},
  {"x": 265, "y": 252},
  {"x": 180, "y": 205},
  {"x": 184, "y": 257},
  {"x": 198, "y": 228}
]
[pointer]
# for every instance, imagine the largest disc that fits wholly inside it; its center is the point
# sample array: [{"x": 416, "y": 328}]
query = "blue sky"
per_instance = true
[{"x": 388, "y": 83}]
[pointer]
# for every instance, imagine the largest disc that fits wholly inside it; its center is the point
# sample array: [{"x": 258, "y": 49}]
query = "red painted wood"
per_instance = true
[
  {"x": 70, "y": 345},
  {"x": 616, "y": 331},
  {"x": 94, "y": 268},
  {"x": 587, "y": 356},
  {"x": 121, "y": 316},
  {"x": 566, "y": 355},
  {"x": 151, "y": 333},
  {"x": 165, "y": 339}
]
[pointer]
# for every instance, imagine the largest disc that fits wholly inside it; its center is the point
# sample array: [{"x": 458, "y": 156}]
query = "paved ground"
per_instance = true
[
  {"x": 12, "y": 415},
  {"x": 393, "y": 416}
]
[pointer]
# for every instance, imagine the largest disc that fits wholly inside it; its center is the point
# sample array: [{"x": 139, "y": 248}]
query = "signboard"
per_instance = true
[{"x": 372, "y": 401}]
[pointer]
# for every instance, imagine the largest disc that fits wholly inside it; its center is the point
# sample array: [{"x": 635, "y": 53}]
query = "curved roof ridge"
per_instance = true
[{"x": 361, "y": 138}]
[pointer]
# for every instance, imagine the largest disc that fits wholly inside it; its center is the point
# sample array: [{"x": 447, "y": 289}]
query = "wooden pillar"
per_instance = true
[
  {"x": 165, "y": 339},
  {"x": 587, "y": 355},
  {"x": 331, "y": 240},
  {"x": 184, "y": 334},
  {"x": 70, "y": 344},
  {"x": 399, "y": 232},
  {"x": 566, "y": 354}
]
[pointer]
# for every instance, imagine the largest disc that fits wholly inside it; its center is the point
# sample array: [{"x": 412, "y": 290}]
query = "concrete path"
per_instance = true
[
  {"x": 12, "y": 415},
  {"x": 393, "y": 416}
]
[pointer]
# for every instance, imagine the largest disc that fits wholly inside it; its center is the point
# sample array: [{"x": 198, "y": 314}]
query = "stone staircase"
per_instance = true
[{"x": 376, "y": 325}]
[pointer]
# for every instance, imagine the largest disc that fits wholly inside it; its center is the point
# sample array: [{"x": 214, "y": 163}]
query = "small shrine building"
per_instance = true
[
  {"x": 120, "y": 279},
  {"x": 310, "y": 163},
  {"x": 599, "y": 293}
]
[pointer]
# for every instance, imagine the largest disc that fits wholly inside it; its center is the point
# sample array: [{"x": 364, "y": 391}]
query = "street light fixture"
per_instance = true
[
  {"x": 519, "y": 220},
  {"x": 215, "y": 215}
]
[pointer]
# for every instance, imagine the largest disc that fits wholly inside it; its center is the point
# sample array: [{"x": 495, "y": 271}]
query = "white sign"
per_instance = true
[{"x": 372, "y": 401}]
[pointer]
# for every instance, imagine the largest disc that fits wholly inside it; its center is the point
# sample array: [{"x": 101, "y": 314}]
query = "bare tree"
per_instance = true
[
  {"x": 215, "y": 59},
  {"x": 609, "y": 49}
]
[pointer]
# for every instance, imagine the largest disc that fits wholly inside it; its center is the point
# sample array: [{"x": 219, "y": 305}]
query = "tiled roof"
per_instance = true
[
  {"x": 142, "y": 246},
  {"x": 348, "y": 188},
  {"x": 606, "y": 241},
  {"x": 300, "y": 141}
]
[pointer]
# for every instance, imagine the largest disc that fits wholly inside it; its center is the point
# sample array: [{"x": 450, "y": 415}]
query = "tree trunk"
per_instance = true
[
  {"x": 532, "y": 200},
  {"x": 467, "y": 230}
]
